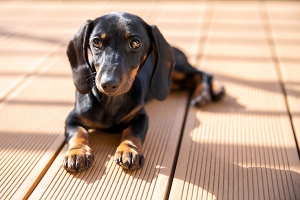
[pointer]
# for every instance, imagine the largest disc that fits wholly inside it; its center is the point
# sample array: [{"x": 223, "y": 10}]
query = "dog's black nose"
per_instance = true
[{"x": 110, "y": 86}]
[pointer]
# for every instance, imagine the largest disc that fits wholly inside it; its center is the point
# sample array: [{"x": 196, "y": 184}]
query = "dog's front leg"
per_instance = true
[
  {"x": 79, "y": 156},
  {"x": 129, "y": 153}
]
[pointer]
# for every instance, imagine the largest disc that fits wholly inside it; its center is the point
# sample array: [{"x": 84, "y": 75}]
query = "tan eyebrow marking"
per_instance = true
[
  {"x": 103, "y": 36},
  {"x": 127, "y": 35}
]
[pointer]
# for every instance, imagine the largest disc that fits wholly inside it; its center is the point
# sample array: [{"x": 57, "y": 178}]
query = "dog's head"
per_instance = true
[{"x": 120, "y": 44}]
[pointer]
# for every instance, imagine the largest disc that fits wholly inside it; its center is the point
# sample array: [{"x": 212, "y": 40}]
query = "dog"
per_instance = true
[{"x": 131, "y": 63}]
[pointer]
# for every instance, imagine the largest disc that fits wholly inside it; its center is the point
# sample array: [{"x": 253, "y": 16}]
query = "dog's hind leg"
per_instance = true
[{"x": 203, "y": 87}]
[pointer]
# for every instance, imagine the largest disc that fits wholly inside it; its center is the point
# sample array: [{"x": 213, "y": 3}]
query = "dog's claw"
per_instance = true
[
  {"x": 118, "y": 158},
  {"x": 89, "y": 160},
  {"x": 141, "y": 161}
]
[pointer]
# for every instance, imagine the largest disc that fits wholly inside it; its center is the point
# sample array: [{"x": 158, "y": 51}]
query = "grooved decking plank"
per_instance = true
[
  {"x": 242, "y": 147},
  {"x": 18, "y": 60},
  {"x": 291, "y": 73},
  {"x": 36, "y": 88},
  {"x": 106, "y": 180},
  {"x": 36, "y": 91},
  {"x": 285, "y": 27},
  {"x": 31, "y": 132},
  {"x": 30, "y": 32}
]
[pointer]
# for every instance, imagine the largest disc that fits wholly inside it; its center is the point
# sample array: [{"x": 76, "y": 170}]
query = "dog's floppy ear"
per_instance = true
[
  {"x": 164, "y": 62},
  {"x": 77, "y": 53}
]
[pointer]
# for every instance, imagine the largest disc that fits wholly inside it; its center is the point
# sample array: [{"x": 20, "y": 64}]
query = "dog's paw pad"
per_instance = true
[{"x": 78, "y": 159}]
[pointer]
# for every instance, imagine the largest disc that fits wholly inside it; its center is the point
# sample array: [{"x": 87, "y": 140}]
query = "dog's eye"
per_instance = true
[
  {"x": 134, "y": 44},
  {"x": 97, "y": 43}
]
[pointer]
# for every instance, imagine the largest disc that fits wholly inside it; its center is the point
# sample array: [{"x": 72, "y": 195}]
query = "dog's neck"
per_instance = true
[{"x": 112, "y": 104}]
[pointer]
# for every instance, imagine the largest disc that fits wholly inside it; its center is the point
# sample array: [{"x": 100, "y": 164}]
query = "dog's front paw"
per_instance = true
[
  {"x": 129, "y": 156},
  {"x": 78, "y": 159}
]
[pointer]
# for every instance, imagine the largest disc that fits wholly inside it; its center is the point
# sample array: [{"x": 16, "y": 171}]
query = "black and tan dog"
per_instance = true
[{"x": 131, "y": 63}]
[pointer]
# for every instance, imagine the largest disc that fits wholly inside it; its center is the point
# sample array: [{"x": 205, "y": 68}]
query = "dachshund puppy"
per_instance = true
[{"x": 131, "y": 63}]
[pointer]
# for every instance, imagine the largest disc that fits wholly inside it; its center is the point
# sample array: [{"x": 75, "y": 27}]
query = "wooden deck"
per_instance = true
[{"x": 243, "y": 147}]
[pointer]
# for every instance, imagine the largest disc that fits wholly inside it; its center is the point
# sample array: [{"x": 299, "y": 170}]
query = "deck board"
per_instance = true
[
  {"x": 285, "y": 33},
  {"x": 242, "y": 147},
  {"x": 30, "y": 130}
]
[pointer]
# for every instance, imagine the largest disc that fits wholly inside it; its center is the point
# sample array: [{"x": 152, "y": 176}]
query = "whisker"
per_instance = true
[
  {"x": 93, "y": 76},
  {"x": 136, "y": 84}
]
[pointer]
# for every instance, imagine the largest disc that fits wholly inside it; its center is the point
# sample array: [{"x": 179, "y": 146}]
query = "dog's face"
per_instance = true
[
  {"x": 120, "y": 44},
  {"x": 118, "y": 47}
]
